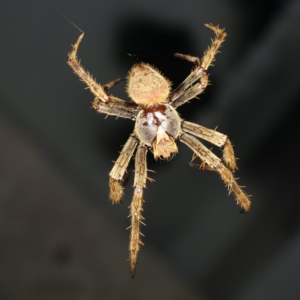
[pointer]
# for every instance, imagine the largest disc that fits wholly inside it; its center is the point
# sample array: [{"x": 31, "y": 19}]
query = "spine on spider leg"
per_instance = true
[{"x": 136, "y": 206}]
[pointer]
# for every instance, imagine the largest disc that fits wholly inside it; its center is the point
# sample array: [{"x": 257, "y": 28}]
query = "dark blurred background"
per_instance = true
[{"x": 60, "y": 237}]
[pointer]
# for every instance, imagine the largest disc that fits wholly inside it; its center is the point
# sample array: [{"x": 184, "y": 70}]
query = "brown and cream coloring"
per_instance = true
[{"x": 158, "y": 126}]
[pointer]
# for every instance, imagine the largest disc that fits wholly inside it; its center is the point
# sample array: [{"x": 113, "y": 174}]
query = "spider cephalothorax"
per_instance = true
[{"x": 158, "y": 126}]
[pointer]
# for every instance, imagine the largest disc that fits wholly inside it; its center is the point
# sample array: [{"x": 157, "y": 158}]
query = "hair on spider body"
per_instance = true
[
  {"x": 158, "y": 126},
  {"x": 147, "y": 86}
]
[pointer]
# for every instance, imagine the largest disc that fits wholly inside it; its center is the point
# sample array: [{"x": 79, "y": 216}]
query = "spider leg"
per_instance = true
[
  {"x": 74, "y": 63},
  {"x": 215, "y": 163},
  {"x": 214, "y": 137},
  {"x": 136, "y": 209},
  {"x": 210, "y": 53},
  {"x": 195, "y": 75},
  {"x": 202, "y": 166},
  {"x": 119, "y": 168},
  {"x": 193, "y": 59},
  {"x": 186, "y": 90},
  {"x": 103, "y": 103},
  {"x": 109, "y": 85},
  {"x": 117, "y": 107},
  {"x": 192, "y": 91}
]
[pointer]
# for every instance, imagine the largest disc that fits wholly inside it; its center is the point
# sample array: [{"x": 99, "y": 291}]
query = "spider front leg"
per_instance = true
[
  {"x": 119, "y": 168},
  {"x": 136, "y": 209},
  {"x": 210, "y": 53},
  {"x": 215, "y": 163},
  {"x": 186, "y": 90},
  {"x": 74, "y": 63}
]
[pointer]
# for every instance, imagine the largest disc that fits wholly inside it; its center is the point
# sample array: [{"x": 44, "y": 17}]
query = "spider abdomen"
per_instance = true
[
  {"x": 147, "y": 86},
  {"x": 158, "y": 127}
]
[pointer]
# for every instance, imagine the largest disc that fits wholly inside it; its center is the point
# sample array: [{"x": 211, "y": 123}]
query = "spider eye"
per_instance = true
[{"x": 147, "y": 86}]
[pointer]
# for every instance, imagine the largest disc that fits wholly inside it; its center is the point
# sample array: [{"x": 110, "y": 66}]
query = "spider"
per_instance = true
[{"x": 158, "y": 126}]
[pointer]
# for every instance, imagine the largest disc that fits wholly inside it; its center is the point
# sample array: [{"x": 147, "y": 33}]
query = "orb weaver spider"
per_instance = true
[{"x": 158, "y": 126}]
